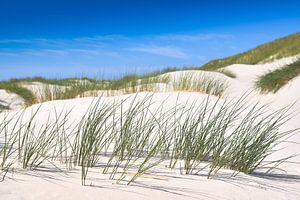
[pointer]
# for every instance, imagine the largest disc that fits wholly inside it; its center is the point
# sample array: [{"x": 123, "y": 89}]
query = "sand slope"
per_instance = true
[{"x": 166, "y": 183}]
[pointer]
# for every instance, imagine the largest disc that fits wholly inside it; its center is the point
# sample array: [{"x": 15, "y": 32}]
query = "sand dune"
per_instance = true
[{"x": 164, "y": 183}]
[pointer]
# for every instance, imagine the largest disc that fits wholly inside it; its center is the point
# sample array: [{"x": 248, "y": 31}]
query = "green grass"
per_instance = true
[
  {"x": 129, "y": 141},
  {"x": 273, "y": 81},
  {"x": 39, "y": 143},
  {"x": 163, "y": 71},
  {"x": 207, "y": 85},
  {"x": 80, "y": 88},
  {"x": 62, "y": 82},
  {"x": 13, "y": 87},
  {"x": 55, "y": 89},
  {"x": 127, "y": 82},
  {"x": 279, "y": 48},
  {"x": 91, "y": 137}
]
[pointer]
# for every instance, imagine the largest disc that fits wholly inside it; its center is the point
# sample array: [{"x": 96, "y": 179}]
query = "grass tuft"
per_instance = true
[
  {"x": 207, "y": 85},
  {"x": 129, "y": 138},
  {"x": 13, "y": 87},
  {"x": 273, "y": 81}
]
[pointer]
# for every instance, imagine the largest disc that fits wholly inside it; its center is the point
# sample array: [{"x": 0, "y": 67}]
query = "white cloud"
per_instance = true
[
  {"x": 8, "y": 54},
  {"x": 17, "y": 41},
  {"x": 168, "y": 45},
  {"x": 195, "y": 37},
  {"x": 167, "y": 51}
]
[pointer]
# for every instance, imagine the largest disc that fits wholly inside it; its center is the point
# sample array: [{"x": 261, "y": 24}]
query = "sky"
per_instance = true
[{"x": 109, "y": 38}]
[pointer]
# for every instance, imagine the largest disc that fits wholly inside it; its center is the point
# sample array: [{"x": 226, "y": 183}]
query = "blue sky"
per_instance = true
[{"x": 111, "y": 37}]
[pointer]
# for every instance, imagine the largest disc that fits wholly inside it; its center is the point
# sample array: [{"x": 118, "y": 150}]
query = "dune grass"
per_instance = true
[
  {"x": 55, "y": 89},
  {"x": 128, "y": 83},
  {"x": 50, "y": 93},
  {"x": 273, "y": 81},
  {"x": 207, "y": 85},
  {"x": 13, "y": 87},
  {"x": 279, "y": 48},
  {"x": 51, "y": 81},
  {"x": 36, "y": 147},
  {"x": 128, "y": 141},
  {"x": 80, "y": 88}
]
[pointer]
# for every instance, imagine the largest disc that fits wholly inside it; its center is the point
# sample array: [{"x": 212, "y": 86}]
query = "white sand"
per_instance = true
[{"x": 166, "y": 183}]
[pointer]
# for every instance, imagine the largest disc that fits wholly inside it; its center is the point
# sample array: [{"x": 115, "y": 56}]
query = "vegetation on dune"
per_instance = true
[
  {"x": 62, "y": 82},
  {"x": 273, "y": 81},
  {"x": 127, "y": 81},
  {"x": 80, "y": 88},
  {"x": 207, "y": 85},
  {"x": 279, "y": 48},
  {"x": 14, "y": 87},
  {"x": 55, "y": 89},
  {"x": 129, "y": 142},
  {"x": 163, "y": 71}
]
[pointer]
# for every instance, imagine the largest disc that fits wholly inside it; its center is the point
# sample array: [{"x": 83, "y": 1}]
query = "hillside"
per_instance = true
[{"x": 279, "y": 48}]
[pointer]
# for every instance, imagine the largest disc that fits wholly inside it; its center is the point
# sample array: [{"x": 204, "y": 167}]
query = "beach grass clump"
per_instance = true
[
  {"x": 50, "y": 93},
  {"x": 92, "y": 137},
  {"x": 202, "y": 134},
  {"x": 255, "y": 138},
  {"x": 54, "y": 89},
  {"x": 37, "y": 142},
  {"x": 126, "y": 83},
  {"x": 74, "y": 89},
  {"x": 8, "y": 139},
  {"x": 218, "y": 136},
  {"x": 207, "y": 85},
  {"x": 151, "y": 84},
  {"x": 83, "y": 88},
  {"x": 29, "y": 142},
  {"x": 273, "y": 81},
  {"x": 129, "y": 137},
  {"x": 26, "y": 94}
]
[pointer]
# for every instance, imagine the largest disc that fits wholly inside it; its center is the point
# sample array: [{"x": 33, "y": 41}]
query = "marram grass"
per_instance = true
[
  {"x": 203, "y": 84},
  {"x": 275, "y": 80},
  {"x": 128, "y": 138},
  {"x": 55, "y": 89}
]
